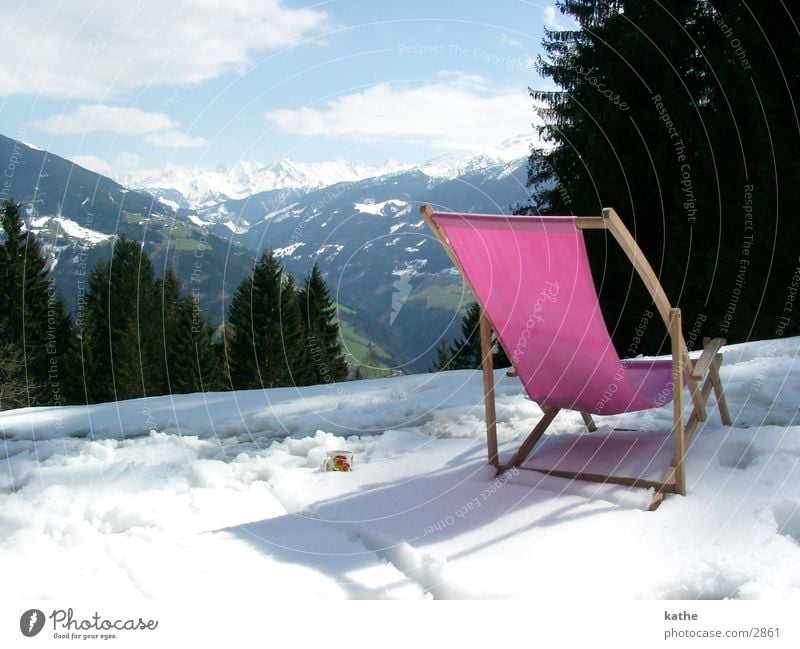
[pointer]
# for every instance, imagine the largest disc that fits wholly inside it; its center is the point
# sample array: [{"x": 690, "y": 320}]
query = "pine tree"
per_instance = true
[
  {"x": 122, "y": 327},
  {"x": 13, "y": 387},
  {"x": 668, "y": 111},
  {"x": 194, "y": 365},
  {"x": 298, "y": 361},
  {"x": 241, "y": 358},
  {"x": 500, "y": 358},
  {"x": 168, "y": 298},
  {"x": 442, "y": 360},
  {"x": 254, "y": 347},
  {"x": 96, "y": 336},
  {"x": 37, "y": 330},
  {"x": 187, "y": 361},
  {"x": 322, "y": 329},
  {"x": 65, "y": 379},
  {"x": 466, "y": 353}
]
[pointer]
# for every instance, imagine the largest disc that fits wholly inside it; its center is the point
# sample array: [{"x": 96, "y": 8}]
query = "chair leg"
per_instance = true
[
  {"x": 669, "y": 485},
  {"x": 722, "y": 403},
  {"x": 488, "y": 389},
  {"x": 550, "y": 413},
  {"x": 678, "y": 371},
  {"x": 655, "y": 503},
  {"x": 691, "y": 423},
  {"x": 587, "y": 419},
  {"x": 697, "y": 400}
]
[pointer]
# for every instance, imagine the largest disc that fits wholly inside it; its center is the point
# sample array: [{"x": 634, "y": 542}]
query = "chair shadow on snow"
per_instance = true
[{"x": 415, "y": 525}]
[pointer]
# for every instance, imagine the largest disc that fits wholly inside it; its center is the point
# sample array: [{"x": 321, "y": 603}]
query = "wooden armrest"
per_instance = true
[{"x": 709, "y": 351}]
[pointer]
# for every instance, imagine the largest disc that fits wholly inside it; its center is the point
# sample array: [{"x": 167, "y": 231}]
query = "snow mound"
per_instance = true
[{"x": 223, "y": 494}]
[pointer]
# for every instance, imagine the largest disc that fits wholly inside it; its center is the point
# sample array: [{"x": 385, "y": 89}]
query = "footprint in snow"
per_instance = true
[
  {"x": 736, "y": 454},
  {"x": 787, "y": 518}
]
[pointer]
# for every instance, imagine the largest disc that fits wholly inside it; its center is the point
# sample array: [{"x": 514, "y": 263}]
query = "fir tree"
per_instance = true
[
  {"x": 13, "y": 386},
  {"x": 466, "y": 353},
  {"x": 194, "y": 365},
  {"x": 443, "y": 358},
  {"x": 255, "y": 349},
  {"x": 122, "y": 327},
  {"x": 65, "y": 380},
  {"x": 668, "y": 111},
  {"x": 168, "y": 296},
  {"x": 499, "y": 356},
  {"x": 187, "y": 361},
  {"x": 241, "y": 357},
  {"x": 298, "y": 366},
  {"x": 96, "y": 335},
  {"x": 322, "y": 329},
  {"x": 37, "y": 330}
]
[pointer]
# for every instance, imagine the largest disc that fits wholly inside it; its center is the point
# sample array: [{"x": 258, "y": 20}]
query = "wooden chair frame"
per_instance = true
[{"x": 700, "y": 377}]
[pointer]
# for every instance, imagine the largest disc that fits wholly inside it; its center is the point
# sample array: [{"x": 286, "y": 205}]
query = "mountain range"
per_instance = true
[
  {"x": 396, "y": 291},
  {"x": 197, "y": 187}
]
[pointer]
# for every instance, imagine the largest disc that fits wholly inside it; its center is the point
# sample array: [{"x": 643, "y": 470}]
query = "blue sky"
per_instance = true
[{"x": 136, "y": 85}]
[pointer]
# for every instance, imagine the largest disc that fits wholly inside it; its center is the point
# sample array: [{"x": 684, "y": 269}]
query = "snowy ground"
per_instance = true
[{"x": 206, "y": 496}]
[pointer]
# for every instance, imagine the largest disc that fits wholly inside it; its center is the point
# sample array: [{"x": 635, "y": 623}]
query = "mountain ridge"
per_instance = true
[
  {"x": 395, "y": 285},
  {"x": 195, "y": 187}
]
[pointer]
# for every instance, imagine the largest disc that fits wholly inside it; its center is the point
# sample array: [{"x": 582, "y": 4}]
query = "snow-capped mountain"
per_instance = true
[
  {"x": 395, "y": 285},
  {"x": 454, "y": 165},
  {"x": 199, "y": 187},
  {"x": 381, "y": 262},
  {"x": 76, "y": 214}
]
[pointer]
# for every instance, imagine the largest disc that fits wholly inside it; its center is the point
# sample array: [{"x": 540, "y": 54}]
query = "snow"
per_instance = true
[
  {"x": 201, "y": 186},
  {"x": 336, "y": 247},
  {"x": 221, "y": 495},
  {"x": 235, "y": 228},
  {"x": 79, "y": 232},
  {"x": 283, "y": 211},
  {"x": 396, "y": 227},
  {"x": 515, "y": 150},
  {"x": 378, "y": 209},
  {"x": 38, "y": 222},
  {"x": 287, "y": 251},
  {"x": 197, "y": 220},
  {"x": 175, "y": 205}
]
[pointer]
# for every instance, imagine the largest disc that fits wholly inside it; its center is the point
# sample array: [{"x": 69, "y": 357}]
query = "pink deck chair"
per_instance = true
[{"x": 531, "y": 277}]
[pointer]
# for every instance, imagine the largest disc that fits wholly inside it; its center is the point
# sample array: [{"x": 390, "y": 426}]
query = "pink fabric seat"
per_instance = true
[{"x": 533, "y": 278}]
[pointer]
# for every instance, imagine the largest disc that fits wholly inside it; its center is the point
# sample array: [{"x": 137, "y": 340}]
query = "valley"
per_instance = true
[{"x": 396, "y": 290}]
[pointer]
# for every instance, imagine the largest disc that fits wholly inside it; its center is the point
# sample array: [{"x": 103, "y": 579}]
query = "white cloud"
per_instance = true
[
  {"x": 157, "y": 128},
  {"x": 553, "y": 19},
  {"x": 507, "y": 40},
  {"x": 175, "y": 140},
  {"x": 444, "y": 115},
  {"x": 98, "y": 117},
  {"x": 463, "y": 78},
  {"x": 93, "y": 163},
  {"x": 90, "y": 49}
]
